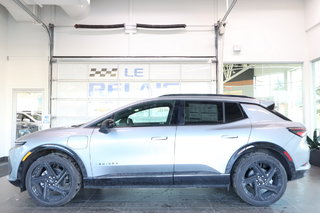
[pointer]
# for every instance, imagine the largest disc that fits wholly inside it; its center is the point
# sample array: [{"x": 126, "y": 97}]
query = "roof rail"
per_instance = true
[{"x": 214, "y": 95}]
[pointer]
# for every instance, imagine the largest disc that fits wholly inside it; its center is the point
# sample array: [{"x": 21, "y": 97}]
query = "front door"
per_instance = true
[{"x": 139, "y": 148}]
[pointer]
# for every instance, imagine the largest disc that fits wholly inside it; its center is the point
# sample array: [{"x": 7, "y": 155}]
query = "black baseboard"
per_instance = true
[
  {"x": 315, "y": 157},
  {"x": 4, "y": 159}
]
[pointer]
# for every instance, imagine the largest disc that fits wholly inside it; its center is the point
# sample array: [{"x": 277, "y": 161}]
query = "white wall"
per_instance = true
[
  {"x": 266, "y": 31},
  {"x": 312, "y": 28},
  {"x": 26, "y": 68},
  {"x": 193, "y": 41},
  {"x": 3, "y": 64},
  {"x": 312, "y": 15}
]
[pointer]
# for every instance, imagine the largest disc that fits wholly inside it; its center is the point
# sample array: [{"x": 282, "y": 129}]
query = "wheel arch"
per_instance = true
[
  {"x": 265, "y": 147},
  {"x": 45, "y": 150}
]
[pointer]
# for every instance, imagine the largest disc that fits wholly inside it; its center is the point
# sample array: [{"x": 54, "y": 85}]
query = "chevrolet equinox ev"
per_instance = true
[{"x": 171, "y": 141}]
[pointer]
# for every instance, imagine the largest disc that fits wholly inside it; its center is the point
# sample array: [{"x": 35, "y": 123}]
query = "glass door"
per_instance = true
[{"x": 28, "y": 108}]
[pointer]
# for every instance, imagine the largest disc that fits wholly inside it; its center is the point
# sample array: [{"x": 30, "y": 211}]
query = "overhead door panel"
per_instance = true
[{"x": 85, "y": 89}]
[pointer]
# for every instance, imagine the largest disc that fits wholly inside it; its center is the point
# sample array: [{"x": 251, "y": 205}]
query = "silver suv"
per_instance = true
[{"x": 169, "y": 141}]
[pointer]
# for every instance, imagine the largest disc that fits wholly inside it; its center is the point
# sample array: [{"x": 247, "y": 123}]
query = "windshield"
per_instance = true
[
  {"x": 37, "y": 117},
  {"x": 101, "y": 118}
]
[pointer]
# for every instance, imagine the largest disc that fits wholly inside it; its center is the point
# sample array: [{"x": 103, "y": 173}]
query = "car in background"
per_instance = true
[
  {"x": 182, "y": 140},
  {"x": 27, "y": 123}
]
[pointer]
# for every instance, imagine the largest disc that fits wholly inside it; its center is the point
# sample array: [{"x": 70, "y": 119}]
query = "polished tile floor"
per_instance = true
[{"x": 302, "y": 196}]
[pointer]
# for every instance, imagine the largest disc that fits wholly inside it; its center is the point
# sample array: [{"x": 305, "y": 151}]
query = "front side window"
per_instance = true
[
  {"x": 153, "y": 115},
  {"x": 197, "y": 113},
  {"x": 150, "y": 114}
]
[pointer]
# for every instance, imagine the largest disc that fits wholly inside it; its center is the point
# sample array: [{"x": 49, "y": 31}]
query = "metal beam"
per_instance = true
[
  {"x": 228, "y": 73},
  {"x": 223, "y": 20},
  {"x": 49, "y": 30},
  {"x": 36, "y": 18},
  {"x": 219, "y": 32}
]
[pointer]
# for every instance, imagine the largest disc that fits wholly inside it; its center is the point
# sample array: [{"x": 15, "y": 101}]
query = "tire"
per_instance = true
[
  {"x": 53, "y": 180},
  {"x": 259, "y": 179}
]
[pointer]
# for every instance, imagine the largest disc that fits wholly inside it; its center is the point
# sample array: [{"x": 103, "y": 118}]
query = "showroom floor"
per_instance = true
[{"x": 302, "y": 195}]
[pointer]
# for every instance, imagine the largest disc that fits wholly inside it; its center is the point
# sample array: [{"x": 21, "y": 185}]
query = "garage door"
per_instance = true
[{"x": 84, "y": 90}]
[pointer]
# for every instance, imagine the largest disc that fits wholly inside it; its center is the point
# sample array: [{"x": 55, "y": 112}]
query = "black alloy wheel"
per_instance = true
[
  {"x": 259, "y": 179},
  {"x": 53, "y": 180}
]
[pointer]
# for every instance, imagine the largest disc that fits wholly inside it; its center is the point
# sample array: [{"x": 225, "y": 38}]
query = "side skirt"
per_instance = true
[{"x": 178, "y": 181}]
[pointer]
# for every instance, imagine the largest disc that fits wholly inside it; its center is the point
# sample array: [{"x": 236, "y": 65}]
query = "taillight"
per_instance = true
[{"x": 298, "y": 131}]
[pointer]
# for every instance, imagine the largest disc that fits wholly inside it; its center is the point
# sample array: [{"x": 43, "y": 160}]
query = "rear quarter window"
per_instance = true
[{"x": 233, "y": 112}]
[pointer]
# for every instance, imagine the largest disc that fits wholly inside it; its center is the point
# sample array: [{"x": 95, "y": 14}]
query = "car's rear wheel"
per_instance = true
[
  {"x": 53, "y": 180},
  {"x": 259, "y": 179}
]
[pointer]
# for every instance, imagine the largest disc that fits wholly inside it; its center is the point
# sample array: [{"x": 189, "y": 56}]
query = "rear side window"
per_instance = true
[
  {"x": 233, "y": 112},
  {"x": 203, "y": 112}
]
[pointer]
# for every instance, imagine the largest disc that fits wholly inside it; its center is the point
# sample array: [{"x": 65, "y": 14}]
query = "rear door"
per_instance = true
[{"x": 211, "y": 133}]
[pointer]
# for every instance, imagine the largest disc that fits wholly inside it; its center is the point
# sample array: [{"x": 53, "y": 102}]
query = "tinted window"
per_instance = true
[
  {"x": 203, "y": 112},
  {"x": 232, "y": 112},
  {"x": 150, "y": 114}
]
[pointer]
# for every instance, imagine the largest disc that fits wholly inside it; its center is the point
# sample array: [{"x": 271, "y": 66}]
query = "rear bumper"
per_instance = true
[{"x": 299, "y": 173}]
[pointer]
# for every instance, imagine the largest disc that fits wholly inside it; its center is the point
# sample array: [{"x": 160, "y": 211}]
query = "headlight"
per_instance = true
[{"x": 20, "y": 142}]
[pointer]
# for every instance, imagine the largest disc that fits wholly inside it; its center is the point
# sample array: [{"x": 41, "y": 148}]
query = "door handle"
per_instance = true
[
  {"x": 159, "y": 138},
  {"x": 229, "y": 136}
]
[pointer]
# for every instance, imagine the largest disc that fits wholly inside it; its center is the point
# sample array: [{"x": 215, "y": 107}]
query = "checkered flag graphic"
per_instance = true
[{"x": 103, "y": 73}]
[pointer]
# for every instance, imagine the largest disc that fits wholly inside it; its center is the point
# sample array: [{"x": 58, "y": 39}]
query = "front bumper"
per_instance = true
[
  {"x": 16, "y": 153},
  {"x": 15, "y": 182}
]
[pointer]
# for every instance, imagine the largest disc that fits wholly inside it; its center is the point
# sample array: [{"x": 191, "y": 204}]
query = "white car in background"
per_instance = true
[{"x": 27, "y": 123}]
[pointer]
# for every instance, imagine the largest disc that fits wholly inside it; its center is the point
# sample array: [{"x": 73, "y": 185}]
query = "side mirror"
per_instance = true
[{"x": 107, "y": 125}]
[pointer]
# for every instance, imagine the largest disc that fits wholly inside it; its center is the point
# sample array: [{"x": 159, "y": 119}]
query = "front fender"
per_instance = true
[{"x": 44, "y": 150}]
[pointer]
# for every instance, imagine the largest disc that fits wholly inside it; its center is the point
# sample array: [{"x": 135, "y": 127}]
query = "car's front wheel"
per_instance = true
[
  {"x": 53, "y": 180},
  {"x": 259, "y": 179}
]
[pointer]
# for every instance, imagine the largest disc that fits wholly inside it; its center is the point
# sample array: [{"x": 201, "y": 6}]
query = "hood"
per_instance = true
[{"x": 54, "y": 135}]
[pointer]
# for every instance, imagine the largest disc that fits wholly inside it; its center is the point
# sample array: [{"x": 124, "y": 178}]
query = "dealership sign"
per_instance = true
[
  {"x": 127, "y": 82},
  {"x": 103, "y": 90},
  {"x": 119, "y": 72}
]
